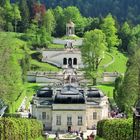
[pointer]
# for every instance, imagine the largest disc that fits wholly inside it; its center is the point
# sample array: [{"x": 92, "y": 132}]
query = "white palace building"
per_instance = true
[{"x": 68, "y": 106}]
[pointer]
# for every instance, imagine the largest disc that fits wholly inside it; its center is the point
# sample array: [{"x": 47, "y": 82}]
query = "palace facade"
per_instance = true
[{"x": 69, "y": 107}]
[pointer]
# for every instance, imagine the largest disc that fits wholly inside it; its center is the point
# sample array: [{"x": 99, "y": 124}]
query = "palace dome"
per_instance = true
[
  {"x": 45, "y": 92},
  {"x": 69, "y": 94},
  {"x": 94, "y": 93}
]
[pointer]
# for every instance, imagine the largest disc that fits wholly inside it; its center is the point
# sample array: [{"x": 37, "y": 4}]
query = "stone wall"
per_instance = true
[
  {"x": 77, "y": 42},
  {"x": 56, "y": 57},
  {"x": 110, "y": 76}
]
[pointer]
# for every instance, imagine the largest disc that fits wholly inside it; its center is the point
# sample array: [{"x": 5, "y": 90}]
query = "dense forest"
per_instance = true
[{"x": 122, "y": 9}]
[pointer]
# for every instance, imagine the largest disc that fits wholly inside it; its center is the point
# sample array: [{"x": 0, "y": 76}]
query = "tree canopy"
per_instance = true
[
  {"x": 128, "y": 89},
  {"x": 124, "y": 10},
  {"x": 10, "y": 81},
  {"x": 93, "y": 50},
  {"x": 108, "y": 27}
]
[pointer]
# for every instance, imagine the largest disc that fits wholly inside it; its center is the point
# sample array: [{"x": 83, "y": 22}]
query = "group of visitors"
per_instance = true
[
  {"x": 79, "y": 134},
  {"x": 117, "y": 114}
]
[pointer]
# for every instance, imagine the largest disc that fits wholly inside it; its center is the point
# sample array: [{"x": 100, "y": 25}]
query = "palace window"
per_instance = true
[
  {"x": 58, "y": 120},
  {"x": 43, "y": 115},
  {"x": 70, "y": 62},
  {"x": 75, "y": 61},
  {"x": 80, "y": 120},
  {"x": 69, "y": 120},
  {"x": 65, "y": 61},
  {"x": 94, "y": 115}
]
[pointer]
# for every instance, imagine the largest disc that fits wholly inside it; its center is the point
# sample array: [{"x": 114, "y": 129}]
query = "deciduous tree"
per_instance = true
[
  {"x": 108, "y": 27},
  {"x": 92, "y": 51}
]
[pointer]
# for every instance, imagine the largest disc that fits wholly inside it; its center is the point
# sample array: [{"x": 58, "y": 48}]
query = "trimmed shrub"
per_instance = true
[
  {"x": 19, "y": 129},
  {"x": 115, "y": 129}
]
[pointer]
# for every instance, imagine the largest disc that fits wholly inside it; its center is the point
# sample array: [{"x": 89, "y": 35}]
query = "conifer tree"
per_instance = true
[
  {"x": 8, "y": 15},
  {"x": 16, "y": 14},
  {"x": 24, "y": 24}
]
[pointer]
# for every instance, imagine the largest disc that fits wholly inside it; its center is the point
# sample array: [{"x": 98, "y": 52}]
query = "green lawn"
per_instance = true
[
  {"x": 56, "y": 46},
  {"x": 40, "y": 66},
  {"x": 119, "y": 64},
  {"x": 31, "y": 89},
  {"x": 107, "y": 89},
  {"x": 107, "y": 59}
]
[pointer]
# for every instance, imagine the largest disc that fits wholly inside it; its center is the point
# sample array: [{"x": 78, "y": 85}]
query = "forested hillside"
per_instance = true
[
  {"x": 12, "y": 58},
  {"x": 122, "y": 9}
]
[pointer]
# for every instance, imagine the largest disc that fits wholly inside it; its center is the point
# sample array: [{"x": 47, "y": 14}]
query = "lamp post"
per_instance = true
[{"x": 136, "y": 121}]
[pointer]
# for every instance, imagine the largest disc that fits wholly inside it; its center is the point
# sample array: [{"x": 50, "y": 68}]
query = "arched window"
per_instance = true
[
  {"x": 75, "y": 61},
  {"x": 65, "y": 61},
  {"x": 70, "y": 62}
]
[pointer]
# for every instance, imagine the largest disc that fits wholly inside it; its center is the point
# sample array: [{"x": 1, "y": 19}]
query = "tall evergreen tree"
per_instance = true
[
  {"x": 30, "y": 4},
  {"x": 135, "y": 38},
  {"x": 125, "y": 35},
  {"x": 128, "y": 89},
  {"x": 49, "y": 21},
  {"x": 2, "y": 2},
  {"x": 60, "y": 26},
  {"x": 8, "y": 15},
  {"x": 16, "y": 14},
  {"x": 24, "y": 24},
  {"x": 2, "y": 19}
]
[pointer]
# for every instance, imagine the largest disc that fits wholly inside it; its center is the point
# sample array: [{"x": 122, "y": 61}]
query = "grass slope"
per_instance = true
[
  {"x": 107, "y": 88},
  {"x": 119, "y": 64},
  {"x": 107, "y": 59},
  {"x": 40, "y": 66}
]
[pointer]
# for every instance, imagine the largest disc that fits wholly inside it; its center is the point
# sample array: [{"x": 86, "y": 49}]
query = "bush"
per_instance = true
[
  {"x": 115, "y": 129},
  {"x": 19, "y": 129}
]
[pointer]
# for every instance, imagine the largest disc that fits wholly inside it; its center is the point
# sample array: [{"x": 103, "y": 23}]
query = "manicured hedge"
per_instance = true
[
  {"x": 115, "y": 129},
  {"x": 19, "y": 129}
]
